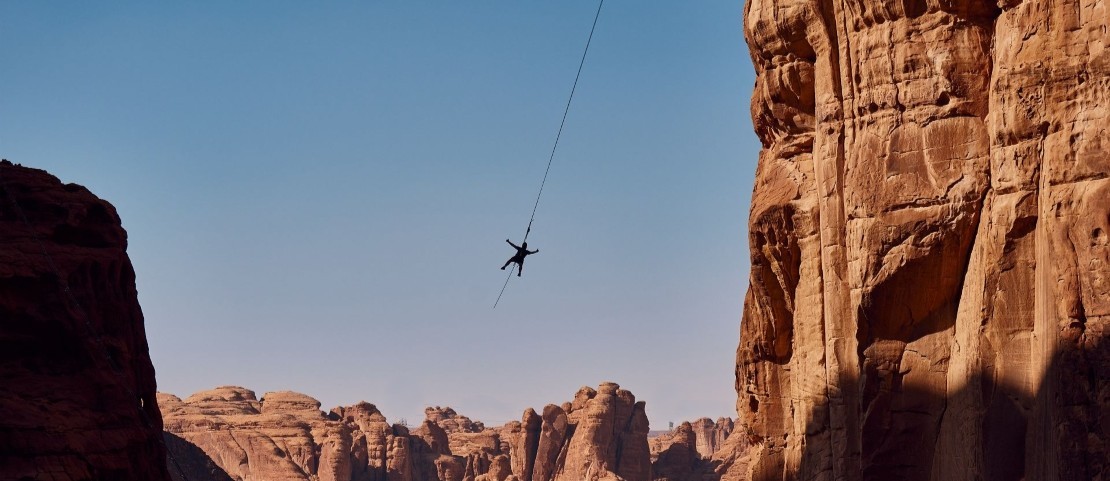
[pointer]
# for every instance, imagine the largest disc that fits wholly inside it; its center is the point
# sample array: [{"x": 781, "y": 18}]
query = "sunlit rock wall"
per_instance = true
[
  {"x": 229, "y": 432},
  {"x": 930, "y": 239}
]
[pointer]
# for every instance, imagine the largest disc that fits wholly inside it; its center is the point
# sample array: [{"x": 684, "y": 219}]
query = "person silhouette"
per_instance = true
[{"x": 518, "y": 258}]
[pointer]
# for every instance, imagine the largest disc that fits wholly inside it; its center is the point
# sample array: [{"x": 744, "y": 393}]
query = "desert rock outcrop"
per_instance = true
[
  {"x": 78, "y": 396},
  {"x": 930, "y": 284},
  {"x": 690, "y": 451},
  {"x": 600, "y": 435},
  {"x": 283, "y": 436},
  {"x": 606, "y": 437},
  {"x": 709, "y": 436},
  {"x": 190, "y": 463},
  {"x": 451, "y": 421}
]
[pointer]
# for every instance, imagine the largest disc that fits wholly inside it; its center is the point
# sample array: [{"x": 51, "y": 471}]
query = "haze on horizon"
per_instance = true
[{"x": 317, "y": 198}]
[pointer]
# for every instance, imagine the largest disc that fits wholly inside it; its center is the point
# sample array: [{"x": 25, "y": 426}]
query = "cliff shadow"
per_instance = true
[
  {"x": 1050, "y": 428},
  {"x": 681, "y": 462},
  {"x": 187, "y": 462}
]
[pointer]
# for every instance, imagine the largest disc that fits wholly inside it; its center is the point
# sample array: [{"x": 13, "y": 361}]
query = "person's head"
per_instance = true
[{"x": 523, "y": 245}]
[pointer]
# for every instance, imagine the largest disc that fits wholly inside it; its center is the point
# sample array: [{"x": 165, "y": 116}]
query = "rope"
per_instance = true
[
  {"x": 80, "y": 310},
  {"x": 503, "y": 286},
  {"x": 564, "y": 121},
  {"x": 558, "y": 135}
]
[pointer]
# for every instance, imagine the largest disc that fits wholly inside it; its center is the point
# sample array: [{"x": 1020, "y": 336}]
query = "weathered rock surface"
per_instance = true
[
  {"x": 283, "y": 436},
  {"x": 709, "y": 436},
  {"x": 451, "y": 421},
  {"x": 78, "y": 393},
  {"x": 607, "y": 431},
  {"x": 190, "y": 462},
  {"x": 600, "y": 435},
  {"x": 930, "y": 241},
  {"x": 680, "y": 460},
  {"x": 689, "y": 452}
]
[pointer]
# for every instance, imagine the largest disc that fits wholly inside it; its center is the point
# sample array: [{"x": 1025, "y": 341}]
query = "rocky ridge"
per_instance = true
[
  {"x": 600, "y": 435},
  {"x": 78, "y": 396},
  {"x": 930, "y": 241}
]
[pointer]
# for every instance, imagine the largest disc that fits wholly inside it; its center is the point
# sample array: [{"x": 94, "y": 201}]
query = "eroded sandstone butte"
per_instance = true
[
  {"x": 77, "y": 391},
  {"x": 600, "y": 435},
  {"x": 930, "y": 239}
]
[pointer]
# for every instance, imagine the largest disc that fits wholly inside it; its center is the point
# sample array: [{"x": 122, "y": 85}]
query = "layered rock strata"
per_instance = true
[
  {"x": 600, "y": 435},
  {"x": 77, "y": 400},
  {"x": 930, "y": 241}
]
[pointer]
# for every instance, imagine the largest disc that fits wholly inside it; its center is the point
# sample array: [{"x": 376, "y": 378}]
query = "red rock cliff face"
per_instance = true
[
  {"x": 77, "y": 396},
  {"x": 930, "y": 239}
]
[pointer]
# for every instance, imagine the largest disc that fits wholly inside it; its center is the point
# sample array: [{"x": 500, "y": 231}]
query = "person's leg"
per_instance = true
[
  {"x": 520, "y": 269},
  {"x": 506, "y": 264}
]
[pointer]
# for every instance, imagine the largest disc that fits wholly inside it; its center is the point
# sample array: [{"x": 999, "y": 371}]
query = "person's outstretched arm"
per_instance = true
[
  {"x": 511, "y": 243},
  {"x": 533, "y": 252}
]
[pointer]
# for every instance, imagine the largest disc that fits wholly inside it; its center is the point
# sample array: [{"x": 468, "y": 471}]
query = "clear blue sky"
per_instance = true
[{"x": 317, "y": 196}]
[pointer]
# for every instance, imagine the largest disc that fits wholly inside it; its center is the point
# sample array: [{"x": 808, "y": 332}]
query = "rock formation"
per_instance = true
[
  {"x": 606, "y": 437},
  {"x": 190, "y": 463},
  {"x": 78, "y": 396},
  {"x": 930, "y": 239},
  {"x": 679, "y": 460},
  {"x": 600, "y": 435},
  {"x": 451, "y": 421},
  {"x": 690, "y": 451},
  {"x": 283, "y": 436},
  {"x": 708, "y": 436}
]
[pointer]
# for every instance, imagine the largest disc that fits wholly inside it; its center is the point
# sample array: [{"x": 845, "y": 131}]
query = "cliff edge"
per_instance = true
[{"x": 78, "y": 395}]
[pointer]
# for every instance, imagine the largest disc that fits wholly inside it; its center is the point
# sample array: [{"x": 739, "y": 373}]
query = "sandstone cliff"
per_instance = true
[
  {"x": 78, "y": 396},
  {"x": 600, "y": 435},
  {"x": 930, "y": 239}
]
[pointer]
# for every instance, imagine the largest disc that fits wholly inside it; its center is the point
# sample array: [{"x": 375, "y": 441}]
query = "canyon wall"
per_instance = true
[
  {"x": 78, "y": 395},
  {"x": 600, "y": 435},
  {"x": 930, "y": 237}
]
